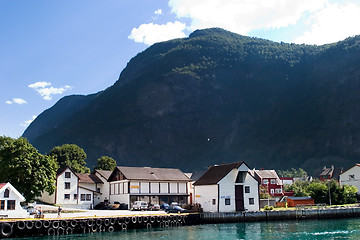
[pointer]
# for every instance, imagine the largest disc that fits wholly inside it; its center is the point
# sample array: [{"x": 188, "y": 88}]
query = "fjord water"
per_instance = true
[{"x": 307, "y": 229}]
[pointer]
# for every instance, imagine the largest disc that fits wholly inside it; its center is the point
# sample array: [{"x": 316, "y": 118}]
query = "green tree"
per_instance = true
[
  {"x": 292, "y": 173},
  {"x": 70, "y": 155},
  {"x": 30, "y": 172},
  {"x": 319, "y": 191},
  {"x": 105, "y": 163}
]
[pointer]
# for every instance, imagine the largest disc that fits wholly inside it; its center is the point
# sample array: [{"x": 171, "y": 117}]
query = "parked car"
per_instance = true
[
  {"x": 175, "y": 208},
  {"x": 30, "y": 209},
  {"x": 140, "y": 205},
  {"x": 154, "y": 207},
  {"x": 164, "y": 206}
]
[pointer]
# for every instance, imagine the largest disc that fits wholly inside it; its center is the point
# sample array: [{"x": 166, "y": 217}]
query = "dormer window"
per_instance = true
[{"x": 6, "y": 193}]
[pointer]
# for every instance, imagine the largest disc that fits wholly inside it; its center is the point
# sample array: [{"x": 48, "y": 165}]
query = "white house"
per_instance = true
[
  {"x": 153, "y": 185},
  {"x": 227, "y": 188},
  {"x": 75, "y": 190},
  {"x": 103, "y": 175},
  {"x": 351, "y": 177},
  {"x": 10, "y": 200}
]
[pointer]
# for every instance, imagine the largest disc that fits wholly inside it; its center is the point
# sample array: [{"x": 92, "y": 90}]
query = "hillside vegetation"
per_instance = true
[{"x": 218, "y": 97}]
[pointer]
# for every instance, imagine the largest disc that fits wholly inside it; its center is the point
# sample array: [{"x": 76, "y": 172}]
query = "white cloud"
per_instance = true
[
  {"x": 46, "y": 92},
  {"x": 39, "y": 85},
  {"x": 158, "y": 12},
  {"x": 333, "y": 23},
  {"x": 245, "y": 15},
  {"x": 19, "y": 101},
  {"x": 151, "y": 33},
  {"x": 27, "y": 123}
]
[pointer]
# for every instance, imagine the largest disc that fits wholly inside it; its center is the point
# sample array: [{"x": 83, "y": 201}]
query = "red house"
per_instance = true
[{"x": 272, "y": 183}]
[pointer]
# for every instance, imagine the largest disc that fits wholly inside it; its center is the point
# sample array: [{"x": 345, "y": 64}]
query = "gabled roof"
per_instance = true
[
  {"x": 266, "y": 174},
  {"x": 104, "y": 173},
  {"x": 62, "y": 170},
  {"x": 88, "y": 178},
  {"x": 327, "y": 171},
  {"x": 215, "y": 173},
  {"x": 356, "y": 165},
  {"x": 151, "y": 174},
  {"x": 4, "y": 186}
]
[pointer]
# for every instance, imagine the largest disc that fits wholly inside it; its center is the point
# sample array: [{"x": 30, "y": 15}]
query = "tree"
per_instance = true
[
  {"x": 70, "y": 155},
  {"x": 30, "y": 172},
  {"x": 292, "y": 173},
  {"x": 105, "y": 163},
  {"x": 319, "y": 191}
]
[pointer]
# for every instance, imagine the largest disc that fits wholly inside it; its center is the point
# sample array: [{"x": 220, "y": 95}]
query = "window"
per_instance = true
[
  {"x": 278, "y": 190},
  {"x": 251, "y": 201},
  {"x": 75, "y": 196},
  {"x": 6, "y": 193},
  {"x": 67, "y": 174},
  {"x": 2, "y": 204},
  {"x": 66, "y": 196},
  {"x": 98, "y": 190},
  {"x": 82, "y": 197},
  {"x": 213, "y": 201},
  {"x": 272, "y": 190},
  {"x": 227, "y": 201},
  {"x": 272, "y": 181},
  {"x": 351, "y": 177},
  {"x": 88, "y": 197},
  {"x": 247, "y": 189},
  {"x": 265, "y": 181},
  {"x": 11, "y": 205},
  {"x": 67, "y": 185}
]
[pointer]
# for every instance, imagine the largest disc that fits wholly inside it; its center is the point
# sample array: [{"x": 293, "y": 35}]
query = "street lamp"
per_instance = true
[{"x": 329, "y": 191}]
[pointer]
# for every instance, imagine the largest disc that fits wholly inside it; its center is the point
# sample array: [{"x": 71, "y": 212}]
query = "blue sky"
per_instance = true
[{"x": 50, "y": 49}]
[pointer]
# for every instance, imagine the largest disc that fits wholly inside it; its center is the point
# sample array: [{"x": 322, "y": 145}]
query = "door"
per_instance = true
[{"x": 239, "y": 198}]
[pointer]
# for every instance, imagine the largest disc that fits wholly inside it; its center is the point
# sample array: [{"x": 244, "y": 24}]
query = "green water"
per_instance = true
[{"x": 309, "y": 229}]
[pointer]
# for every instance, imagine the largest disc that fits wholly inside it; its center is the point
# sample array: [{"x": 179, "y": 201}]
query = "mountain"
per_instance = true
[{"x": 218, "y": 97}]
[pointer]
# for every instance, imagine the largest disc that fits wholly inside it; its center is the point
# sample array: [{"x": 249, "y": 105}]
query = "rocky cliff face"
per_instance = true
[{"x": 219, "y": 97}]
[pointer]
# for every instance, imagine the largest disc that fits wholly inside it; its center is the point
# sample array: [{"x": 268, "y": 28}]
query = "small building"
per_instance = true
[
  {"x": 227, "y": 188},
  {"x": 103, "y": 175},
  {"x": 295, "y": 201},
  {"x": 10, "y": 200},
  {"x": 330, "y": 173},
  {"x": 152, "y": 185},
  {"x": 74, "y": 190},
  {"x": 271, "y": 182},
  {"x": 287, "y": 180},
  {"x": 351, "y": 177}
]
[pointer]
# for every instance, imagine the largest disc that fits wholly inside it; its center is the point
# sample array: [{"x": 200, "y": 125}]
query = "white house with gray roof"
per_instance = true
[
  {"x": 153, "y": 185},
  {"x": 75, "y": 190},
  {"x": 227, "y": 188}
]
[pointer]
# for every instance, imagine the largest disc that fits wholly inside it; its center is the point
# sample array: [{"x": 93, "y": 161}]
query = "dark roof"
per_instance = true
[
  {"x": 62, "y": 169},
  {"x": 104, "y": 173},
  {"x": 152, "y": 174},
  {"x": 215, "y": 173},
  {"x": 300, "y": 198},
  {"x": 88, "y": 178}
]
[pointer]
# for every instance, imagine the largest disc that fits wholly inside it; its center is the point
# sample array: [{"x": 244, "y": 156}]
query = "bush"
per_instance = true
[{"x": 268, "y": 208}]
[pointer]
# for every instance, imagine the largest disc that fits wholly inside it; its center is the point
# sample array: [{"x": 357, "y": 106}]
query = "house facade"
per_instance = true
[
  {"x": 227, "y": 188},
  {"x": 351, "y": 177},
  {"x": 271, "y": 183},
  {"x": 153, "y": 185},
  {"x": 10, "y": 200},
  {"x": 103, "y": 175},
  {"x": 74, "y": 190}
]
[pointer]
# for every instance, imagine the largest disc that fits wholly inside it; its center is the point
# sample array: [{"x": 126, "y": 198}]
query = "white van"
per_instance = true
[{"x": 140, "y": 205}]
